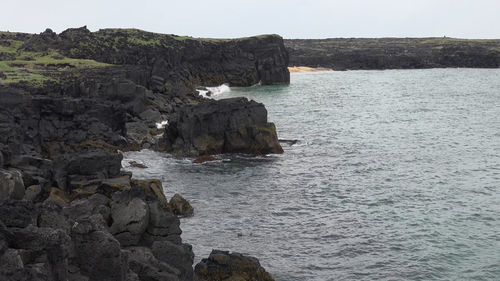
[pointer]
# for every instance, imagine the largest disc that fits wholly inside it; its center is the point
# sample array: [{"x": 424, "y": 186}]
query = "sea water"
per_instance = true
[{"x": 395, "y": 176}]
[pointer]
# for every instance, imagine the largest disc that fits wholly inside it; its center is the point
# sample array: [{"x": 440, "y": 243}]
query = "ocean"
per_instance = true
[{"x": 395, "y": 175}]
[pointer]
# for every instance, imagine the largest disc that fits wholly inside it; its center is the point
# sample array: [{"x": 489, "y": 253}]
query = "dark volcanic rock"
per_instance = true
[
  {"x": 393, "y": 53},
  {"x": 11, "y": 184},
  {"x": 67, "y": 212},
  {"x": 86, "y": 165},
  {"x": 180, "y": 206},
  {"x": 222, "y": 126},
  {"x": 178, "y": 256},
  {"x": 225, "y": 266}
]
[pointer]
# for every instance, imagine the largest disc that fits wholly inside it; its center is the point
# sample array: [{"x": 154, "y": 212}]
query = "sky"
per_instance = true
[{"x": 289, "y": 18}]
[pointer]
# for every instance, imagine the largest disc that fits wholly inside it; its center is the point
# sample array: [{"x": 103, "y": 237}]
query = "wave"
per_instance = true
[
  {"x": 209, "y": 92},
  {"x": 162, "y": 124}
]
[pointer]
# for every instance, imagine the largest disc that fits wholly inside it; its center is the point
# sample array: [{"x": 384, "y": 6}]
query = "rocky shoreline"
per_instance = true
[
  {"x": 70, "y": 102},
  {"x": 393, "y": 53}
]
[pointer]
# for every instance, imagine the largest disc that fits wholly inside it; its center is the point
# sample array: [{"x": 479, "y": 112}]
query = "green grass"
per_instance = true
[
  {"x": 10, "y": 46},
  {"x": 35, "y": 68},
  {"x": 143, "y": 42}
]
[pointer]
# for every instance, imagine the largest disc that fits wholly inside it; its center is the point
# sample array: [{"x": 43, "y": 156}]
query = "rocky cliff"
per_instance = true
[
  {"x": 228, "y": 125},
  {"x": 393, "y": 53},
  {"x": 68, "y": 103},
  {"x": 168, "y": 62}
]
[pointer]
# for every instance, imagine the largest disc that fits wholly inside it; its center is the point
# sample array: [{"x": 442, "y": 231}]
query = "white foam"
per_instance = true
[
  {"x": 224, "y": 88},
  {"x": 162, "y": 124}
]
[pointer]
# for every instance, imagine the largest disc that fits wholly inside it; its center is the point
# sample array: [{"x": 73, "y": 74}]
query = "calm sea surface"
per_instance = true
[{"x": 396, "y": 176}]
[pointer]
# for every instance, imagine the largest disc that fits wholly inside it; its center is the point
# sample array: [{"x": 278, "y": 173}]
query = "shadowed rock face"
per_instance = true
[
  {"x": 174, "y": 62},
  {"x": 234, "y": 125},
  {"x": 393, "y": 53},
  {"x": 225, "y": 266},
  {"x": 67, "y": 211}
]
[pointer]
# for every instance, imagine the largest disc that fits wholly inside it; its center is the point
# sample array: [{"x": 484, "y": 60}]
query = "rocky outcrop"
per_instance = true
[
  {"x": 225, "y": 266},
  {"x": 174, "y": 63},
  {"x": 123, "y": 235},
  {"x": 234, "y": 125},
  {"x": 180, "y": 206},
  {"x": 67, "y": 211},
  {"x": 393, "y": 53}
]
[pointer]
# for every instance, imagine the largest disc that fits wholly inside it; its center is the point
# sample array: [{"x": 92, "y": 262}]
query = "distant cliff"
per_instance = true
[{"x": 393, "y": 53}]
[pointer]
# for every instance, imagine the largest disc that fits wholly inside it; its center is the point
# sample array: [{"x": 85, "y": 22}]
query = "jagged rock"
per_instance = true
[
  {"x": 55, "y": 244},
  {"x": 35, "y": 170},
  {"x": 57, "y": 197},
  {"x": 107, "y": 262},
  {"x": 163, "y": 225},
  {"x": 130, "y": 219},
  {"x": 90, "y": 165},
  {"x": 110, "y": 186},
  {"x": 18, "y": 213},
  {"x": 222, "y": 126},
  {"x": 51, "y": 216},
  {"x": 82, "y": 208},
  {"x": 137, "y": 165},
  {"x": 225, "y": 266},
  {"x": 180, "y": 206},
  {"x": 137, "y": 131},
  {"x": 10, "y": 262},
  {"x": 148, "y": 267},
  {"x": 152, "y": 190},
  {"x": 11, "y": 184},
  {"x": 34, "y": 193},
  {"x": 179, "y": 256}
]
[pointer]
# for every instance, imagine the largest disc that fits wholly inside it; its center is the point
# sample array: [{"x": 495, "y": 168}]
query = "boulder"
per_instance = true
[
  {"x": 98, "y": 254},
  {"x": 34, "y": 193},
  {"x": 148, "y": 267},
  {"x": 137, "y": 165},
  {"x": 11, "y": 185},
  {"x": 57, "y": 197},
  {"x": 163, "y": 225},
  {"x": 87, "y": 166},
  {"x": 225, "y": 266},
  {"x": 180, "y": 206},
  {"x": 234, "y": 125},
  {"x": 178, "y": 256},
  {"x": 110, "y": 186},
  {"x": 130, "y": 218},
  {"x": 51, "y": 245},
  {"x": 18, "y": 214},
  {"x": 96, "y": 204},
  {"x": 151, "y": 189}
]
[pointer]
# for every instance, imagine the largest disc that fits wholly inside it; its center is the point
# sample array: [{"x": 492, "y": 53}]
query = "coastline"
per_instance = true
[{"x": 72, "y": 102}]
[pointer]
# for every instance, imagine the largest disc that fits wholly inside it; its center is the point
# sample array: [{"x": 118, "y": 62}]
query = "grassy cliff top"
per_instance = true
[
  {"x": 36, "y": 59},
  {"x": 18, "y": 65}
]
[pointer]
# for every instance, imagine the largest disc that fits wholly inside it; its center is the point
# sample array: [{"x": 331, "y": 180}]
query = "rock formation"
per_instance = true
[
  {"x": 98, "y": 232},
  {"x": 68, "y": 103},
  {"x": 225, "y": 266},
  {"x": 393, "y": 53},
  {"x": 222, "y": 126}
]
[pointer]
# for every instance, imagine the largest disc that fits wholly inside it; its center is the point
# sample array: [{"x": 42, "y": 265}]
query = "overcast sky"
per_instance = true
[{"x": 289, "y": 18}]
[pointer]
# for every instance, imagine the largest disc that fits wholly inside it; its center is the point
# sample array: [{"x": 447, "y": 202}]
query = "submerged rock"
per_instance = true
[
  {"x": 205, "y": 158},
  {"x": 234, "y": 125},
  {"x": 137, "y": 165},
  {"x": 225, "y": 266}
]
